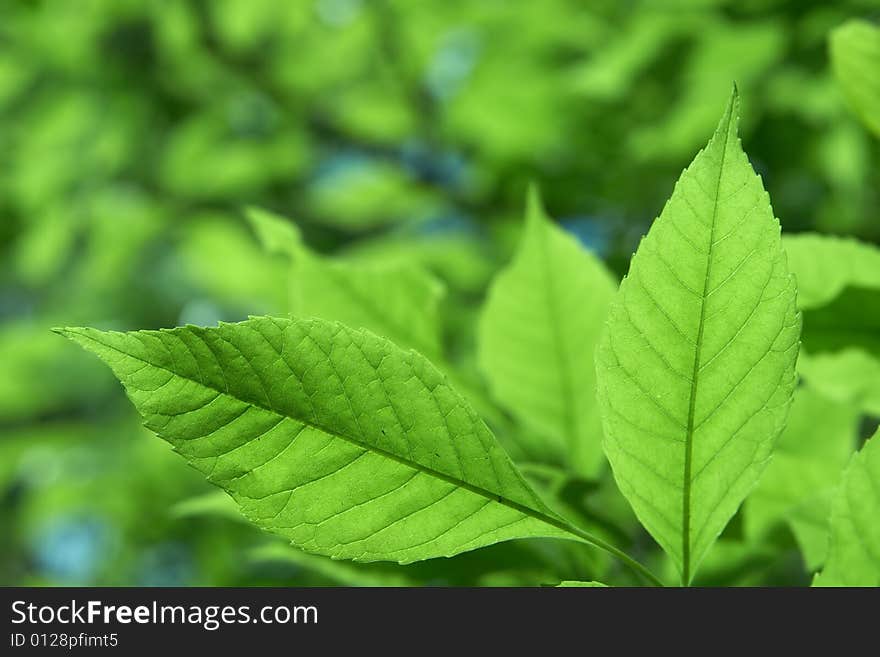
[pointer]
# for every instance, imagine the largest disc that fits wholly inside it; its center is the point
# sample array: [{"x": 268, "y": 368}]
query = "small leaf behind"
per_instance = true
[
  {"x": 854, "y": 549},
  {"x": 825, "y": 265},
  {"x": 839, "y": 293},
  {"x": 796, "y": 487},
  {"x": 855, "y": 58},
  {"x": 850, "y": 376},
  {"x": 538, "y": 334},
  {"x": 399, "y": 301}
]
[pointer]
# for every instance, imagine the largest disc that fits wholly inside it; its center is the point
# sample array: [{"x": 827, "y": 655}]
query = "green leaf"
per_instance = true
[
  {"x": 826, "y": 265},
  {"x": 851, "y": 376},
  {"x": 696, "y": 366},
  {"x": 329, "y": 436},
  {"x": 399, "y": 301},
  {"x": 573, "y": 584},
  {"x": 810, "y": 455},
  {"x": 855, "y": 59},
  {"x": 538, "y": 332},
  {"x": 838, "y": 290},
  {"x": 854, "y": 549},
  {"x": 839, "y": 293}
]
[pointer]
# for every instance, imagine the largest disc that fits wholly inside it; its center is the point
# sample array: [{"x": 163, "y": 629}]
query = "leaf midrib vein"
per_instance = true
[{"x": 695, "y": 376}]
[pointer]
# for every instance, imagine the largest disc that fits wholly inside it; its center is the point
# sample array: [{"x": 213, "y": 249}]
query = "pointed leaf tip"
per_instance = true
[
  {"x": 729, "y": 121},
  {"x": 534, "y": 203},
  {"x": 67, "y": 331}
]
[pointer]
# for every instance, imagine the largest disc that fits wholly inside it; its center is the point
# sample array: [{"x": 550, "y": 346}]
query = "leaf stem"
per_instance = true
[{"x": 595, "y": 541}]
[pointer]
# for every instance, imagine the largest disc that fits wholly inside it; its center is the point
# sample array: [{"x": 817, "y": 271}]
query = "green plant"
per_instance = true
[
  {"x": 855, "y": 57},
  {"x": 356, "y": 446}
]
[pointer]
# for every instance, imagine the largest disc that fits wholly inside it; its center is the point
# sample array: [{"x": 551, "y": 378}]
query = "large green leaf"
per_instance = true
[
  {"x": 855, "y": 58},
  {"x": 399, "y": 301},
  {"x": 330, "y": 436},
  {"x": 538, "y": 334},
  {"x": 854, "y": 548},
  {"x": 696, "y": 367},
  {"x": 796, "y": 487}
]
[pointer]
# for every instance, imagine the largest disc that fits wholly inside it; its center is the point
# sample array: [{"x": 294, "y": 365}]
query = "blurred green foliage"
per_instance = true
[{"x": 133, "y": 134}]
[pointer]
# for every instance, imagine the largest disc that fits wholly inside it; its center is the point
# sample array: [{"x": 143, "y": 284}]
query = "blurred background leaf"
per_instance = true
[{"x": 855, "y": 56}]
